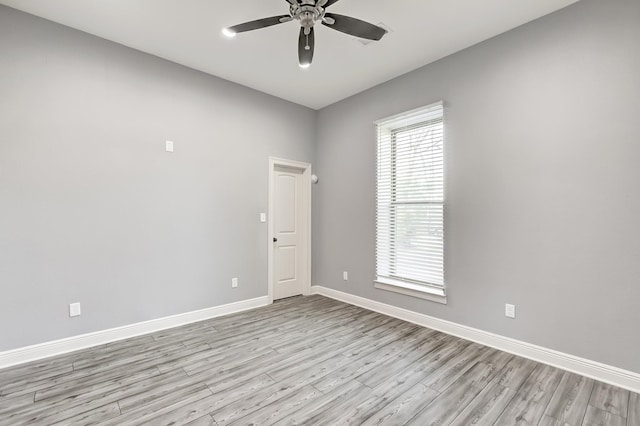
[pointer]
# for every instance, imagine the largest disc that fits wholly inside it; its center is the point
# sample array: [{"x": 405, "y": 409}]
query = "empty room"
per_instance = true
[{"x": 320, "y": 212}]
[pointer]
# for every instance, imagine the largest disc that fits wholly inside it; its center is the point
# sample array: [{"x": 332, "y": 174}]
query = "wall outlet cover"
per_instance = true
[
  {"x": 74, "y": 310},
  {"x": 510, "y": 310}
]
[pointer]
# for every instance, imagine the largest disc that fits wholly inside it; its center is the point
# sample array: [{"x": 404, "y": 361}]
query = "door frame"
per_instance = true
[{"x": 305, "y": 168}]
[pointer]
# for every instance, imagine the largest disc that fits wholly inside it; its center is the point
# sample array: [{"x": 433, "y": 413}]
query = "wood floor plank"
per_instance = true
[
  {"x": 528, "y": 405},
  {"x": 633, "y": 417},
  {"x": 272, "y": 413},
  {"x": 325, "y": 313},
  {"x": 376, "y": 399},
  {"x": 364, "y": 364},
  {"x": 184, "y": 412},
  {"x": 446, "y": 407},
  {"x": 279, "y": 307},
  {"x": 408, "y": 333},
  {"x": 255, "y": 401},
  {"x": 270, "y": 362},
  {"x": 229, "y": 339},
  {"x": 610, "y": 398},
  {"x": 514, "y": 374},
  {"x": 83, "y": 379},
  {"x": 161, "y": 406},
  {"x": 299, "y": 307},
  {"x": 321, "y": 369},
  {"x": 78, "y": 386},
  {"x": 39, "y": 369},
  {"x": 249, "y": 331},
  {"x": 380, "y": 324},
  {"x": 98, "y": 394},
  {"x": 14, "y": 403},
  {"x": 221, "y": 377},
  {"x": 358, "y": 347},
  {"x": 317, "y": 337},
  {"x": 136, "y": 358},
  {"x": 486, "y": 407},
  {"x": 205, "y": 365},
  {"x": 597, "y": 417},
  {"x": 304, "y": 360},
  {"x": 116, "y": 354},
  {"x": 327, "y": 402},
  {"x": 148, "y": 391},
  {"x": 205, "y": 420},
  {"x": 79, "y": 413},
  {"x": 550, "y": 421},
  {"x": 496, "y": 359},
  {"x": 91, "y": 417},
  {"x": 435, "y": 352},
  {"x": 455, "y": 367},
  {"x": 323, "y": 310},
  {"x": 233, "y": 336},
  {"x": 569, "y": 402},
  {"x": 283, "y": 369},
  {"x": 227, "y": 393},
  {"x": 402, "y": 409},
  {"x": 29, "y": 380}
]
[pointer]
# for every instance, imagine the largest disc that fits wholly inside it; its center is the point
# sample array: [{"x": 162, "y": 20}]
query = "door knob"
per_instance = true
[{"x": 275, "y": 240}]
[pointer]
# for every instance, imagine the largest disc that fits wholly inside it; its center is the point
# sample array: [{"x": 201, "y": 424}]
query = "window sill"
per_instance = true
[{"x": 413, "y": 290}]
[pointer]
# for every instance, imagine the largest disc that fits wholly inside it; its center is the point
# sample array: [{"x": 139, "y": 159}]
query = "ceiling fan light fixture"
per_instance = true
[
  {"x": 305, "y": 65},
  {"x": 228, "y": 33}
]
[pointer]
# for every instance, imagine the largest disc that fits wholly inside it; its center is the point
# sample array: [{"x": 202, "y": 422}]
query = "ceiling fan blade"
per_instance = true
[
  {"x": 354, "y": 27},
  {"x": 259, "y": 23},
  {"x": 306, "y": 46},
  {"x": 329, "y": 3}
]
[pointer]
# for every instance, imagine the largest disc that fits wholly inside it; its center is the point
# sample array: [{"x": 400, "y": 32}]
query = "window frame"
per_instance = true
[{"x": 417, "y": 119}]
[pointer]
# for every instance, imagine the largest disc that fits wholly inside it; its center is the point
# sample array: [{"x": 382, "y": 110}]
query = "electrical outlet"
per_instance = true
[
  {"x": 263, "y": 217},
  {"x": 345, "y": 276},
  {"x": 74, "y": 310},
  {"x": 234, "y": 282},
  {"x": 510, "y": 311},
  {"x": 169, "y": 146}
]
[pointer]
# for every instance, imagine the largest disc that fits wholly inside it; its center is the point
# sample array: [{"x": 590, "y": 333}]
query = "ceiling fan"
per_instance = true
[{"x": 308, "y": 13}]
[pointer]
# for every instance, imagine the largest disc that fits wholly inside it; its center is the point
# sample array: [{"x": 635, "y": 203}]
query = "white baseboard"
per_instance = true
[
  {"x": 70, "y": 344},
  {"x": 592, "y": 369}
]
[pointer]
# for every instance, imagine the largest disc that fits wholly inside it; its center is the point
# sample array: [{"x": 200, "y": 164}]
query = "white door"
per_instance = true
[{"x": 289, "y": 232}]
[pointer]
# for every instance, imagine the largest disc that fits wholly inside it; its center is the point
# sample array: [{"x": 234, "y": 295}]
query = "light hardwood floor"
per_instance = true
[{"x": 305, "y": 360}]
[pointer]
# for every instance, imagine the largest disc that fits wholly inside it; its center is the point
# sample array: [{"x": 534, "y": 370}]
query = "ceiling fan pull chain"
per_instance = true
[{"x": 307, "y": 46}]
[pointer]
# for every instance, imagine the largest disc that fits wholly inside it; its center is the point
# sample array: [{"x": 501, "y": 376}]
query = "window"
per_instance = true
[{"x": 410, "y": 203}]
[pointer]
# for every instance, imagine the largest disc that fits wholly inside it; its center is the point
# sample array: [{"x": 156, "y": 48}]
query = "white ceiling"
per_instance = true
[{"x": 188, "y": 32}]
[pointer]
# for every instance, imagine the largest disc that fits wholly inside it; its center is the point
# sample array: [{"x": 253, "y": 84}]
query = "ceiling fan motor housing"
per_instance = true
[{"x": 308, "y": 13}]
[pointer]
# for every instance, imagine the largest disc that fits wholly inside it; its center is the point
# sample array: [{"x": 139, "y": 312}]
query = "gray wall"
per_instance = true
[
  {"x": 91, "y": 207},
  {"x": 543, "y": 183}
]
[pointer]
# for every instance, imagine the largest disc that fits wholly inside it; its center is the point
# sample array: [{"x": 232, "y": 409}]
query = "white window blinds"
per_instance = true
[{"x": 410, "y": 200}]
